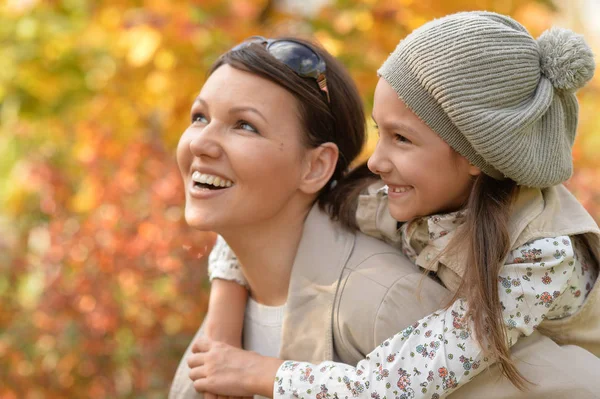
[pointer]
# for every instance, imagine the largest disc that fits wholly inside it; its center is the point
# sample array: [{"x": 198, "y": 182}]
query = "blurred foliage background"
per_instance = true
[{"x": 102, "y": 284}]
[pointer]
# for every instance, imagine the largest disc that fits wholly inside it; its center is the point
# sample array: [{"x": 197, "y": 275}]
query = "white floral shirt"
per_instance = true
[{"x": 545, "y": 278}]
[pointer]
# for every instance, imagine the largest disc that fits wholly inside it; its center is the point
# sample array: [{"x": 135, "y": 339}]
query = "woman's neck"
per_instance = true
[{"x": 266, "y": 252}]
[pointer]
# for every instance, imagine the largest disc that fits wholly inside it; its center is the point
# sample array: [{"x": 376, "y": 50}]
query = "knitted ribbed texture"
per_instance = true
[{"x": 475, "y": 79}]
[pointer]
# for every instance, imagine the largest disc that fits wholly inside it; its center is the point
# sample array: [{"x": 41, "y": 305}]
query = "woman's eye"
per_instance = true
[
  {"x": 246, "y": 126},
  {"x": 401, "y": 139},
  {"x": 199, "y": 118}
]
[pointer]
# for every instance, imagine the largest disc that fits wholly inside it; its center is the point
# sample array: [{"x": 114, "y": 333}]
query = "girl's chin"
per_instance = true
[{"x": 401, "y": 214}]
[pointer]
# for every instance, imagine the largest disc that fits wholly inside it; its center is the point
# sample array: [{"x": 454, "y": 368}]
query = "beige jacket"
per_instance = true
[{"x": 328, "y": 316}]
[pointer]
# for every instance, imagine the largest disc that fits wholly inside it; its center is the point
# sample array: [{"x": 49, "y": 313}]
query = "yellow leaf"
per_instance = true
[{"x": 141, "y": 42}]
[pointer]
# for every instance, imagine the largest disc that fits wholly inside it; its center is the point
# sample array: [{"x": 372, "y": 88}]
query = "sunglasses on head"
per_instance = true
[{"x": 297, "y": 56}]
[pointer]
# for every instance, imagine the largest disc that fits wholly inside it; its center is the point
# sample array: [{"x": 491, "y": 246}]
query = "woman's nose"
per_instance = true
[
  {"x": 379, "y": 163},
  {"x": 205, "y": 142}
]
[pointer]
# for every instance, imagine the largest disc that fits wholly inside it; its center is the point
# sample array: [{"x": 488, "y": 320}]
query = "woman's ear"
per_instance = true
[{"x": 320, "y": 165}]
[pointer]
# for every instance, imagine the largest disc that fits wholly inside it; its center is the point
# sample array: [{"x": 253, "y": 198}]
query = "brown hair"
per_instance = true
[
  {"x": 342, "y": 121},
  {"x": 484, "y": 238}
]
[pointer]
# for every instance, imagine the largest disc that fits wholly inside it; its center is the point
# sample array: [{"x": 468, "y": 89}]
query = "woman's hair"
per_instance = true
[
  {"x": 341, "y": 121},
  {"x": 484, "y": 238}
]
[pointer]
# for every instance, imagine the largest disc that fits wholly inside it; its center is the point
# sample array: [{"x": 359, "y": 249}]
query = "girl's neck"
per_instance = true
[{"x": 266, "y": 252}]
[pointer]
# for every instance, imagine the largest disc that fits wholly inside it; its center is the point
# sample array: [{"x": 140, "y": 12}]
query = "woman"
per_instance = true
[{"x": 272, "y": 133}]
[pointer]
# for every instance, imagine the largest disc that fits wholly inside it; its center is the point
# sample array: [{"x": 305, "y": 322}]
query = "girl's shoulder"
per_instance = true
[{"x": 548, "y": 213}]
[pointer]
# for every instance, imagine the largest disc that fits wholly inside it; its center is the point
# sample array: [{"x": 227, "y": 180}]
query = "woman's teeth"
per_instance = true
[
  {"x": 400, "y": 189},
  {"x": 211, "y": 180}
]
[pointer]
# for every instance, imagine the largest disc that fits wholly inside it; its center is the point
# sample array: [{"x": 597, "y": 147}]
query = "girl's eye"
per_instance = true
[
  {"x": 401, "y": 139},
  {"x": 199, "y": 118},
  {"x": 246, "y": 126},
  {"x": 376, "y": 127}
]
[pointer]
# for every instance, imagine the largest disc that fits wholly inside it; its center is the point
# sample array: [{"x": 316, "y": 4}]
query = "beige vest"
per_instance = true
[{"x": 554, "y": 212}]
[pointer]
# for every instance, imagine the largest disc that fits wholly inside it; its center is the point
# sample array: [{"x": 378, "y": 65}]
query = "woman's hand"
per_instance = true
[{"x": 222, "y": 369}]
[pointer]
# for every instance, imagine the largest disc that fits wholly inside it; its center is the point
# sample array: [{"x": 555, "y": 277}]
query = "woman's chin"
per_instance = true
[{"x": 201, "y": 221}]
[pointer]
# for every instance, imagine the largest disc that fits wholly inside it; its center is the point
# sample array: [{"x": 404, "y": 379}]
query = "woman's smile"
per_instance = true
[{"x": 243, "y": 146}]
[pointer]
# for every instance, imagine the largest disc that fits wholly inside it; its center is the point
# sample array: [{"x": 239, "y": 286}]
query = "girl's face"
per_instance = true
[
  {"x": 424, "y": 175},
  {"x": 245, "y": 137}
]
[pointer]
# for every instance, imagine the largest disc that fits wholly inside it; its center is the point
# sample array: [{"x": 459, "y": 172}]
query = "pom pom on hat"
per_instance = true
[{"x": 565, "y": 59}]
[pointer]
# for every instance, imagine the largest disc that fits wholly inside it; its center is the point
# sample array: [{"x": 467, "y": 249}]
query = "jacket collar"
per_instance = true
[
  {"x": 324, "y": 250},
  {"x": 536, "y": 213}
]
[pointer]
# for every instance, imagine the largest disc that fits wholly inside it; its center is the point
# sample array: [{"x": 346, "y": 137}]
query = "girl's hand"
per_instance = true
[
  {"x": 225, "y": 316},
  {"x": 224, "y": 370}
]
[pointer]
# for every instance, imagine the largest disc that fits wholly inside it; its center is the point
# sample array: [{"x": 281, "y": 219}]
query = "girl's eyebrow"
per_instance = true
[{"x": 398, "y": 126}]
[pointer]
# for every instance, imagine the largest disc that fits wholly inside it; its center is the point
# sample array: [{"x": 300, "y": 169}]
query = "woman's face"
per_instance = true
[
  {"x": 424, "y": 174},
  {"x": 242, "y": 157}
]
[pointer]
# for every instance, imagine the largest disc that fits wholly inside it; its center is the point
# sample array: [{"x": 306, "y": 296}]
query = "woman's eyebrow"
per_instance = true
[
  {"x": 248, "y": 109},
  {"x": 235, "y": 109}
]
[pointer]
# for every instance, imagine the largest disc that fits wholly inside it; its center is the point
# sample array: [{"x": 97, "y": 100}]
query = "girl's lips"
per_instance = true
[{"x": 399, "y": 191}]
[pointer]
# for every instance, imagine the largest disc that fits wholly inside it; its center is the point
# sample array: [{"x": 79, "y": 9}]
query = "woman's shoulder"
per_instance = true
[{"x": 380, "y": 293}]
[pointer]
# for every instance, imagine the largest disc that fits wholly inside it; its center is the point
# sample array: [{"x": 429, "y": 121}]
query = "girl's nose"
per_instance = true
[{"x": 379, "y": 162}]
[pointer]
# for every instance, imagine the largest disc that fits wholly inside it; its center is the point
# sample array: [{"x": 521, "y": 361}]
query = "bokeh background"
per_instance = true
[{"x": 102, "y": 284}]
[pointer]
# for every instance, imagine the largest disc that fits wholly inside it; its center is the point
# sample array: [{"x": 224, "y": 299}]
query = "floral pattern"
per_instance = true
[
  {"x": 545, "y": 278},
  {"x": 223, "y": 264}
]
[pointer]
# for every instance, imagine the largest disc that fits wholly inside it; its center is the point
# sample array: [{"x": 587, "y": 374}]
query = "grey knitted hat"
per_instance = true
[{"x": 500, "y": 98}]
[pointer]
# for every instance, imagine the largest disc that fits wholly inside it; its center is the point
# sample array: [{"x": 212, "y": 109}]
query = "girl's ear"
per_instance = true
[
  {"x": 320, "y": 165},
  {"x": 474, "y": 170}
]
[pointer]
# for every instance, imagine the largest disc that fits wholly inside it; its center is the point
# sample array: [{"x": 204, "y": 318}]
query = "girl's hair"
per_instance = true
[
  {"x": 484, "y": 238},
  {"x": 341, "y": 121},
  {"x": 343, "y": 201}
]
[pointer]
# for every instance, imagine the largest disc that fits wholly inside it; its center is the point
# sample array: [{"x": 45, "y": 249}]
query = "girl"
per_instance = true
[
  {"x": 275, "y": 125},
  {"x": 476, "y": 123}
]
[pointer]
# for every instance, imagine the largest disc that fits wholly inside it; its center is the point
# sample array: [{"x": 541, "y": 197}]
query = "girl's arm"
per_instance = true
[
  {"x": 431, "y": 358},
  {"x": 226, "y": 308},
  {"x": 228, "y": 296}
]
